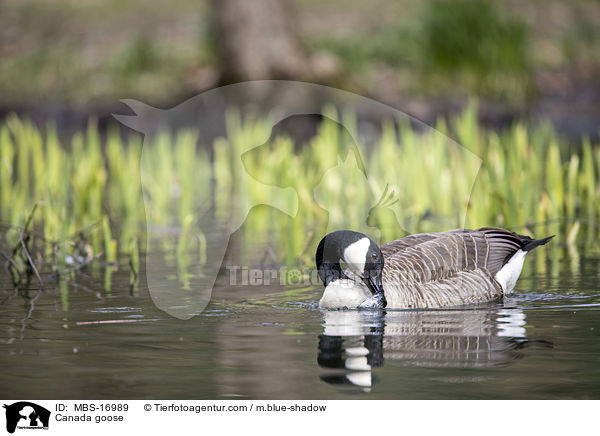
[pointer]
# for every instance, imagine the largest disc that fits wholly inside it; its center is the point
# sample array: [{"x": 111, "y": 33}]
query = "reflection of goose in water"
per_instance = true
[
  {"x": 351, "y": 341},
  {"x": 355, "y": 342}
]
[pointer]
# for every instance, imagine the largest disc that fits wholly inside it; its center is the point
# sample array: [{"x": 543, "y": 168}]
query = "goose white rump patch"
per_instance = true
[{"x": 508, "y": 275}]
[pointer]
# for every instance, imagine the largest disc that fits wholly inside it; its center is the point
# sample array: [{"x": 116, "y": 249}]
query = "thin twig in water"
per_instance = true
[
  {"x": 9, "y": 260},
  {"x": 31, "y": 263},
  {"x": 86, "y": 289},
  {"x": 29, "y": 312}
]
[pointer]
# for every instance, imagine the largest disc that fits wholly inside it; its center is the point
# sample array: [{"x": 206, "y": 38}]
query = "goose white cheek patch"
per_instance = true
[{"x": 355, "y": 255}]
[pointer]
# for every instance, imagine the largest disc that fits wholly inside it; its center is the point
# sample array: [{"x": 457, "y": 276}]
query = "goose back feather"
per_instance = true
[{"x": 450, "y": 268}]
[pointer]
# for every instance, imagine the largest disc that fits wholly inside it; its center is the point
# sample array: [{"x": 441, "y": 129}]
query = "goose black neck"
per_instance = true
[{"x": 328, "y": 262}]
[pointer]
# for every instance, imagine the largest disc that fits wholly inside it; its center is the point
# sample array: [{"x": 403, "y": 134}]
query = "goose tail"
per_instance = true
[{"x": 530, "y": 244}]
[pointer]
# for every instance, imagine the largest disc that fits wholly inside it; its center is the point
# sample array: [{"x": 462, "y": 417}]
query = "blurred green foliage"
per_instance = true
[
  {"x": 469, "y": 43},
  {"x": 141, "y": 55},
  {"x": 473, "y": 38},
  {"x": 393, "y": 46},
  {"x": 473, "y": 35},
  {"x": 525, "y": 180},
  {"x": 97, "y": 51}
]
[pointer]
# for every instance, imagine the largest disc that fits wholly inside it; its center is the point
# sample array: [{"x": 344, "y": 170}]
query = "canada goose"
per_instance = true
[{"x": 424, "y": 270}]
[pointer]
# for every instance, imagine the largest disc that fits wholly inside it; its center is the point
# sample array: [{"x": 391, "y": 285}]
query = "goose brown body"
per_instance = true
[{"x": 455, "y": 267}]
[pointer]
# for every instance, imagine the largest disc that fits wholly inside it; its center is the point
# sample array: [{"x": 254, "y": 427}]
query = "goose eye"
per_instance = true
[{"x": 374, "y": 255}]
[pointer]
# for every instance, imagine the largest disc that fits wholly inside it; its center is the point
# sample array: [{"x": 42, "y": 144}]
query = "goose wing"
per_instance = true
[
  {"x": 449, "y": 268},
  {"x": 437, "y": 256},
  {"x": 409, "y": 241}
]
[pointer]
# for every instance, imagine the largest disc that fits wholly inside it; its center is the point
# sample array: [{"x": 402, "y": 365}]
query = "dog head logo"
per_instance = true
[{"x": 26, "y": 415}]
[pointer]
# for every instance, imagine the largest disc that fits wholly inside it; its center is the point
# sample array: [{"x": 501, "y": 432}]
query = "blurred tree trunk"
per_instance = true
[{"x": 256, "y": 39}]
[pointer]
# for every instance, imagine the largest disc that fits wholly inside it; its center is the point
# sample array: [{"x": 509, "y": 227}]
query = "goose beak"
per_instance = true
[{"x": 376, "y": 287}]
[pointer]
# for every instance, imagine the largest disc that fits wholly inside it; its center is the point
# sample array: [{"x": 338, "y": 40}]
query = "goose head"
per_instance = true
[{"x": 350, "y": 265}]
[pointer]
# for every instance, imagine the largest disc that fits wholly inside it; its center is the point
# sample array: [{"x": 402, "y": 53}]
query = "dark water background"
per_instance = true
[{"x": 543, "y": 342}]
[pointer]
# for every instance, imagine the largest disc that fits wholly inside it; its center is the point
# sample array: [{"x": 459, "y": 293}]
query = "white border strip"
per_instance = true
[{"x": 272, "y": 417}]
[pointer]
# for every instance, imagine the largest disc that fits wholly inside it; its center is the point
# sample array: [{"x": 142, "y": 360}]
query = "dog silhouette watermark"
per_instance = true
[{"x": 277, "y": 101}]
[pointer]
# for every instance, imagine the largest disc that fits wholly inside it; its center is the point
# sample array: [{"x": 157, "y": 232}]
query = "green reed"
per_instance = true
[{"x": 90, "y": 194}]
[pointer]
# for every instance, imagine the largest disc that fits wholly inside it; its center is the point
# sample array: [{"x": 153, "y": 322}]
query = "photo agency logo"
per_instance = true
[
  {"x": 246, "y": 276},
  {"x": 213, "y": 160},
  {"x": 25, "y": 415}
]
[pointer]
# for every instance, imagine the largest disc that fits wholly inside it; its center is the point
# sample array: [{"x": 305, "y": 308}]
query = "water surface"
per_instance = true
[{"x": 274, "y": 343}]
